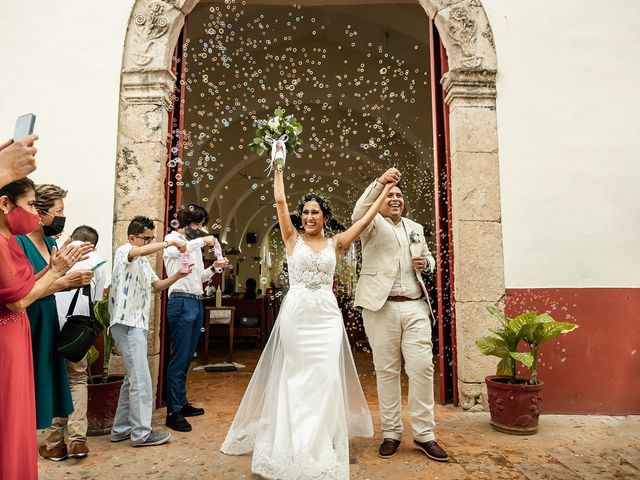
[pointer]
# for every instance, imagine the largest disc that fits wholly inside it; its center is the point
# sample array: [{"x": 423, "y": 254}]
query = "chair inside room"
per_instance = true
[{"x": 250, "y": 319}]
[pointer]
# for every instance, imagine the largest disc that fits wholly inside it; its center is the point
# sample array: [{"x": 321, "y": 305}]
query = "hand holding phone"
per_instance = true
[{"x": 24, "y": 126}]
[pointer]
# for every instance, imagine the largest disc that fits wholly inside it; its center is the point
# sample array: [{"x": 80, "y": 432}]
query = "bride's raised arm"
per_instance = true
[
  {"x": 343, "y": 240},
  {"x": 287, "y": 230}
]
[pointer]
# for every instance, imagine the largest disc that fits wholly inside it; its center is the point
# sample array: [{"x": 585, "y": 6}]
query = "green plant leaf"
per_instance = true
[
  {"x": 92, "y": 356},
  {"x": 548, "y": 330},
  {"x": 516, "y": 325},
  {"x": 493, "y": 346},
  {"x": 498, "y": 314},
  {"x": 525, "y": 358},
  {"x": 504, "y": 367}
]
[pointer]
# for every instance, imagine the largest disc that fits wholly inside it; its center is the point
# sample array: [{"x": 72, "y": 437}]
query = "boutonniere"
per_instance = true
[{"x": 415, "y": 244}]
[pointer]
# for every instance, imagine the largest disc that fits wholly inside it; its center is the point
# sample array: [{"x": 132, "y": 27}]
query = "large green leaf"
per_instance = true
[
  {"x": 548, "y": 330},
  {"x": 525, "y": 357},
  {"x": 493, "y": 346},
  {"x": 516, "y": 325}
]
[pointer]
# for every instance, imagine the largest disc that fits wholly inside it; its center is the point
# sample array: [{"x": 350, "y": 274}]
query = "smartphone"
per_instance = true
[
  {"x": 24, "y": 126},
  {"x": 95, "y": 267}
]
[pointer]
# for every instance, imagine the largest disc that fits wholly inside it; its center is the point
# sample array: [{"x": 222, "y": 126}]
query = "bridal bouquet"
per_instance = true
[{"x": 277, "y": 131}]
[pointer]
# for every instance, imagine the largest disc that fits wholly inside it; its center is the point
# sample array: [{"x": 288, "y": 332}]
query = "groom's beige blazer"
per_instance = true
[{"x": 381, "y": 252}]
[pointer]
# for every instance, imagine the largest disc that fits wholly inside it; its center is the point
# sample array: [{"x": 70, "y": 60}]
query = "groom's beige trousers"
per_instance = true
[{"x": 403, "y": 329}]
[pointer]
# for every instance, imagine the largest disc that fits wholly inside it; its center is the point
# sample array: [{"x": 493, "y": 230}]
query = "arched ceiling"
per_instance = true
[{"x": 355, "y": 76}]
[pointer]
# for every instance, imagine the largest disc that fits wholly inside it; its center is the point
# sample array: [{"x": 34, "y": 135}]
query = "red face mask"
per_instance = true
[{"x": 21, "y": 221}]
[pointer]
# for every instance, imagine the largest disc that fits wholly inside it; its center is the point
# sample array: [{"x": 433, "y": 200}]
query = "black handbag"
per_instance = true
[{"x": 79, "y": 333}]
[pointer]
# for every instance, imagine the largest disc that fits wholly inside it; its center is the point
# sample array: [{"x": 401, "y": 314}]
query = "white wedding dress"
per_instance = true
[{"x": 304, "y": 401}]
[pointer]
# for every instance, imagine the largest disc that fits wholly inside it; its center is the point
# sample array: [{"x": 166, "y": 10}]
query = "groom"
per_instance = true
[{"x": 392, "y": 296}]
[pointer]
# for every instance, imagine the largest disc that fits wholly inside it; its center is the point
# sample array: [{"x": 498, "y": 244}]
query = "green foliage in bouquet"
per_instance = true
[
  {"x": 529, "y": 327},
  {"x": 272, "y": 129}
]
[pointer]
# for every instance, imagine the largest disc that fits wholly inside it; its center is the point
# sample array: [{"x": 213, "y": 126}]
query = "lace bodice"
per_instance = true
[{"x": 309, "y": 268}]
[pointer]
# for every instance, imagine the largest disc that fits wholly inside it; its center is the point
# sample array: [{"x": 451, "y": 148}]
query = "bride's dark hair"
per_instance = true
[{"x": 314, "y": 197}]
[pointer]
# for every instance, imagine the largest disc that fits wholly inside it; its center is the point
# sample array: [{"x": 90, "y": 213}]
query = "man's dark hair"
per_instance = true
[
  {"x": 85, "y": 233},
  {"x": 18, "y": 188},
  {"x": 400, "y": 186},
  {"x": 192, "y": 214},
  {"x": 139, "y": 224}
]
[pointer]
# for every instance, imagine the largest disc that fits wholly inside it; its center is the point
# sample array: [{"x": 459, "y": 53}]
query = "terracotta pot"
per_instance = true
[
  {"x": 102, "y": 403},
  {"x": 515, "y": 407}
]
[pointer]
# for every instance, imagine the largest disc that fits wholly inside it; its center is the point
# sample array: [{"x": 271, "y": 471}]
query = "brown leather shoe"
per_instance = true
[
  {"x": 433, "y": 450},
  {"x": 388, "y": 448},
  {"x": 57, "y": 453},
  {"x": 78, "y": 449}
]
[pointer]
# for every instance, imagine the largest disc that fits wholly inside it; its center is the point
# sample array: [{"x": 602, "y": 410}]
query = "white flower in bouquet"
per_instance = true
[{"x": 277, "y": 134}]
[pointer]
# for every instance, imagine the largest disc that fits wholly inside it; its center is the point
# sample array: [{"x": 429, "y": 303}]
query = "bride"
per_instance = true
[{"x": 304, "y": 400}]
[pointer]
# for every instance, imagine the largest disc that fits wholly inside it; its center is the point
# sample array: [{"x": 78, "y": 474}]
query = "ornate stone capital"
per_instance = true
[
  {"x": 150, "y": 87},
  {"x": 466, "y": 34},
  {"x": 470, "y": 87}
]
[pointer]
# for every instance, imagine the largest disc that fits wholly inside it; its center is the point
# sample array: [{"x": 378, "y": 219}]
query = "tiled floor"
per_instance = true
[{"x": 566, "y": 447}]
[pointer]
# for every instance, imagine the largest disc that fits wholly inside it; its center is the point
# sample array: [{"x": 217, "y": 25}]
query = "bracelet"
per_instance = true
[{"x": 166, "y": 244}]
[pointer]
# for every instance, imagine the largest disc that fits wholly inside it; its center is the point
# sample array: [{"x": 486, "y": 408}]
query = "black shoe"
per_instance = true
[
  {"x": 190, "y": 411},
  {"x": 388, "y": 448},
  {"x": 432, "y": 450},
  {"x": 177, "y": 422}
]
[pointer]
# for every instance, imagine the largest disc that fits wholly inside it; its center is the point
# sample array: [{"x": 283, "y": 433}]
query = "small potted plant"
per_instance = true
[
  {"x": 515, "y": 402},
  {"x": 104, "y": 389}
]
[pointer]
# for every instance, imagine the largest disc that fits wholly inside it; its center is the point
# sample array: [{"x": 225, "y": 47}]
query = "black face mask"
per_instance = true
[
  {"x": 56, "y": 227},
  {"x": 192, "y": 233}
]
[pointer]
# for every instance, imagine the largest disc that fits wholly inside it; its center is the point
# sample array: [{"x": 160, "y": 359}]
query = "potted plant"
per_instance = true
[
  {"x": 515, "y": 402},
  {"x": 104, "y": 389}
]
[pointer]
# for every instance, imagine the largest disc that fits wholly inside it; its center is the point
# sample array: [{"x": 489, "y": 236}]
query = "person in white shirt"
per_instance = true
[
  {"x": 185, "y": 310},
  {"x": 77, "y": 371},
  {"x": 132, "y": 283}
]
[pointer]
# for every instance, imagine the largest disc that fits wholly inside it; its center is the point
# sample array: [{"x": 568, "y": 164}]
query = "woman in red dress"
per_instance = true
[{"x": 18, "y": 289}]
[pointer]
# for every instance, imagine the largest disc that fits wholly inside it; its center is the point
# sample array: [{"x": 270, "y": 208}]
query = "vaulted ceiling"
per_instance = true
[{"x": 355, "y": 76}]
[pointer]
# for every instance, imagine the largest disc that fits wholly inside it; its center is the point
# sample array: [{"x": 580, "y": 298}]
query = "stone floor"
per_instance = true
[{"x": 566, "y": 447}]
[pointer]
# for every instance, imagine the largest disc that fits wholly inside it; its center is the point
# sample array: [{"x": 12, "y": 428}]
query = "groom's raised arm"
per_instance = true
[{"x": 372, "y": 192}]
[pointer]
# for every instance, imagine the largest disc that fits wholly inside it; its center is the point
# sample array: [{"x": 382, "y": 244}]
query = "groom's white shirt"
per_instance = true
[{"x": 381, "y": 253}]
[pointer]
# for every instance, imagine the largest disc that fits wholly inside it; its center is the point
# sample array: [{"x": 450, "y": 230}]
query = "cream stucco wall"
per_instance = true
[
  {"x": 568, "y": 98},
  {"x": 62, "y": 62},
  {"x": 568, "y": 104}
]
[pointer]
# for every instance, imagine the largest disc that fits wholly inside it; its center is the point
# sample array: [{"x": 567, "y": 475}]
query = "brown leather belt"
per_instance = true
[{"x": 400, "y": 298}]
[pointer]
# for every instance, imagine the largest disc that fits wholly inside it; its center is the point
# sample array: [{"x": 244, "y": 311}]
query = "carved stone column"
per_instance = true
[
  {"x": 470, "y": 92},
  {"x": 145, "y": 98}
]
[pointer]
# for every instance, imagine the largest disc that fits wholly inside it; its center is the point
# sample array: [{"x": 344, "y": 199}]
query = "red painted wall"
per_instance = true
[{"x": 596, "y": 368}]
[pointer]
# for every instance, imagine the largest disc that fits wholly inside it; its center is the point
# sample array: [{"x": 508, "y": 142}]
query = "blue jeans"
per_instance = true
[
  {"x": 135, "y": 404},
  {"x": 184, "y": 318}
]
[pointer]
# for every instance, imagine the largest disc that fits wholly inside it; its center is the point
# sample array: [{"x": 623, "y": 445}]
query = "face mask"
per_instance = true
[
  {"x": 22, "y": 221},
  {"x": 56, "y": 227},
  {"x": 192, "y": 233}
]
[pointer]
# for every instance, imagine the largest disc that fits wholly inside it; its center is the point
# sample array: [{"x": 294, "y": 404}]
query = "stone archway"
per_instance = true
[{"x": 469, "y": 85}]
